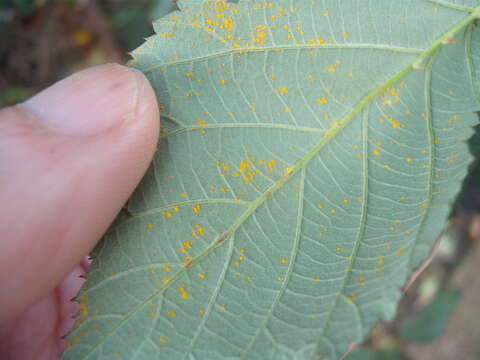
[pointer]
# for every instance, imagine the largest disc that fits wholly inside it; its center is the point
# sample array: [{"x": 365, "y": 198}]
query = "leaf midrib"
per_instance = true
[{"x": 419, "y": 63}]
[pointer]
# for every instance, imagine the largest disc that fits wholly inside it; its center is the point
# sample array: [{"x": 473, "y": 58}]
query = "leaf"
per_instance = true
[
  {"x": 432, "y": 320},
  {"x": 161, "y": 8},
  {"x": 24, "y": 8},
  {"x": 14, "y": 95},
  {"x": 309, "y": 152},
  {"x": 367, "y": 354}
]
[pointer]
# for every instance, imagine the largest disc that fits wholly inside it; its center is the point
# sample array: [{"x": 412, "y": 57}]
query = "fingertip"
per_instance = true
[
  {"x": 73, "y": 178},
  {"x": 93, "y": 101}
]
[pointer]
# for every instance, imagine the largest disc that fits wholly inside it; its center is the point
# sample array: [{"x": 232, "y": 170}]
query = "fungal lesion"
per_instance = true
[{"x": 221, "y": 238}]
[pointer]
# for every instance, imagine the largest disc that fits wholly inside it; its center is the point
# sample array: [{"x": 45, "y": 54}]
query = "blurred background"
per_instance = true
[{"x": 42, "y": 41}]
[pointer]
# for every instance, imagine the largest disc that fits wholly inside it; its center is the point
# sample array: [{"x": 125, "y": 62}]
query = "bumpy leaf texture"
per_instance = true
[{"x": 308, "y": 155}]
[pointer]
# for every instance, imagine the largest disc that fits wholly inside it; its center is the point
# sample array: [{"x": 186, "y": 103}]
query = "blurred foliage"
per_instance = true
[
  {"x": 131, "y": 21},
  {"x": 367, "y": 354},
  {"x": 430, "y": 322},
  {"x": 27, "y": 8},
  {"x": 15, "y": 95},
  {"x": 474, "y": 144},
  {"x": 161, "y": 8},
  {"x": 42, "y": 41},
  {"x": 24, "y": 7}
]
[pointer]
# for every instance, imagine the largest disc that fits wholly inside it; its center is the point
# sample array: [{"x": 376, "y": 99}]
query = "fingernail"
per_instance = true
[{"x": 89, "y": 102}]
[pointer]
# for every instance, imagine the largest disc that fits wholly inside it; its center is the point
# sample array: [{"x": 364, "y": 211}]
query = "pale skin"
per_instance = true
[{"x": 69, "y": 159}]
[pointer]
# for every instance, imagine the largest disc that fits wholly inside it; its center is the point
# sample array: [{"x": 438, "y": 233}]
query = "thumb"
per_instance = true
[{"x": 69, "y": 159}]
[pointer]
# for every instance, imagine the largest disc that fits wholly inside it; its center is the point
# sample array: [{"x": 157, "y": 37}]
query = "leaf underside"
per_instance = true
[{"x": 308, "y": 155}]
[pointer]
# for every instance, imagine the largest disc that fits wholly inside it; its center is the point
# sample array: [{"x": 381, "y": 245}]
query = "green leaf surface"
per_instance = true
[
  {"x": 308, "y": 155},
  {"x": 432, "y": 320}
]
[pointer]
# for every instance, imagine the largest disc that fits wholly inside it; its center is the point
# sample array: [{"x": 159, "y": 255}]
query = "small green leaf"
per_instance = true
[
  {"x": 308, "y": 156},
  {"x": 367, "y": 354},
  {"x": 13, "y": 95},
  {"x": 24, "y": 8},
  {"x": 432, "y": 320},
  {"x": 160, "y": 8}
]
